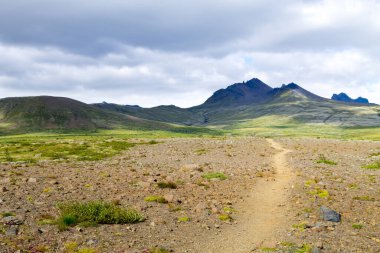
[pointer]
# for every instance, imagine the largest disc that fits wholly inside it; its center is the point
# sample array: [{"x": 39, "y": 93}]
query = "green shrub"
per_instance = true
[
  {"x": 170, "y": 185},
  {"x": 95, "y": 212},
  {"x": 364, "y": 198},
  {"x": 158, "y": 199},
  {"x": 6, "y": 214},
  {"x": 225, "y": 217},
  {"x": 183, "y": 219},
  {"x": 357, "y": 226},
  {"x": 372, "y": 166},
  {"x": 212, "y": 175},
  {"x": 323, "y": 159}
]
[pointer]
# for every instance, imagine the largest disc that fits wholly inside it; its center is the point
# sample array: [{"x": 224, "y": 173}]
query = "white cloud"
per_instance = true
[{"x": 139, "y": 52}]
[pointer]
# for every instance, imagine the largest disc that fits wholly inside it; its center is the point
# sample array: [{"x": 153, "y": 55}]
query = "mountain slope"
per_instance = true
[{"x": 26, "y": 114}]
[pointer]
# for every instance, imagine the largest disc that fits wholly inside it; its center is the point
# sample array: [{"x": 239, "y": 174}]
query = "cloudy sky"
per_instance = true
[{"x": 179, "y": 52}]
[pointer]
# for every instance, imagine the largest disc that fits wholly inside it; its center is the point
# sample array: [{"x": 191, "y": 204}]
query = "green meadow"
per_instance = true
[{"x": 102, "y": 144}]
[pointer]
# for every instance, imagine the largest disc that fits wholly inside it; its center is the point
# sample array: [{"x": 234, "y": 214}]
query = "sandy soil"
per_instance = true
[{"x": 268, "y": 194}]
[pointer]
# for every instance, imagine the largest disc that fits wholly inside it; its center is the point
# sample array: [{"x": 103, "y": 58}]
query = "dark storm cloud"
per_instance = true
[
  {"x": 161, "y": 52},
  {"x": 100, "y": 26}
]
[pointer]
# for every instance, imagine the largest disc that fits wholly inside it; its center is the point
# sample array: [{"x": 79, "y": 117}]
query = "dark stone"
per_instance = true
[
  {"x": 11, "y": 220},
  {"x": 328, "y": 214},
  {"x": 12, "y": 230}
]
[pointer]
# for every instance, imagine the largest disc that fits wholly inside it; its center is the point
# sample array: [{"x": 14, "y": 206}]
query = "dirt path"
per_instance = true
[{"x": 263, "y": 216}]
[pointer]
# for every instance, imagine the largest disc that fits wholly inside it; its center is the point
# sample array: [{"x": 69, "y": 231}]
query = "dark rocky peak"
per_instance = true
[
  {"x": 252, "y": 91},
  {"x": 343, "y": 97}
]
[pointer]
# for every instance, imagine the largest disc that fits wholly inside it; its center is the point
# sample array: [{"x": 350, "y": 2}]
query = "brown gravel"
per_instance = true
[{"x": 32, "y": 193}]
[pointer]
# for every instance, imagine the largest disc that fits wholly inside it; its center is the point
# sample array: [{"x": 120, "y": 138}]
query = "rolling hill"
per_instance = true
[{"x": 30, "y": 114}]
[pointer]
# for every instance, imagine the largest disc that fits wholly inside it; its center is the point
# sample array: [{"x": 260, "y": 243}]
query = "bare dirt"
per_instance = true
[
  {"x": 271, "y": 198},
  {"x": 264, "y": 212}
]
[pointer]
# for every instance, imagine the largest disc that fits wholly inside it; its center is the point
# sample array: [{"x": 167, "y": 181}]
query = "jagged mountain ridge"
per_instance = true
[
  {"x": 254, "y": 99},
  {"x": 345, "y": 98}
]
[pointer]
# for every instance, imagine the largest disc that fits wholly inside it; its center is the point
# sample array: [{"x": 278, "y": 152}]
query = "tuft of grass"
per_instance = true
[
  {"x": 306, "y": 248},
  {"x": 323, "y": 159},
  {"x": 94, "y": 212},
  {"x": 73, "y": 247},
  {"x": 374, "y": 154},
  {"x": 309, "y": 183},
  {"x": 200, "y": 151},
  {"x": 372, "y": 166},
  {"x": 183, "y": 219},
  {"x": 364, "y": 198},
  {"x": 357, "y": 226},
  {"x": 229, "y": 210},
  {"x": 170, "y": 185},
  {"x": 158, "y": 199},
  {"x": 225, "y": 217},
  {"x": 7, "y": 214},
  {"x": 300, "y": 226},
  {"x": 321, "y": 193},
  {"x": 212, "y": 175}
]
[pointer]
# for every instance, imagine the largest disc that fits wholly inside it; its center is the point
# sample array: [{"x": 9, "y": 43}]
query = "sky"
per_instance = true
[{"x": 151, "y": 53}]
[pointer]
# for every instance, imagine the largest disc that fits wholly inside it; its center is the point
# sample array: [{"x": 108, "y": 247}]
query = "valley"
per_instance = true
[{"x": 253, "y": 169}]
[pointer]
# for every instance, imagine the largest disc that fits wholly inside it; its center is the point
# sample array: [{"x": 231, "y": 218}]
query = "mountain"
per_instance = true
[
  {"x": 345, "y": 98},
  {"x": 239, "y": 106},
  {"x": 252, "y": 92},
  {"x": 27, "y": 114},
  {"x": 252, "y": 100}
]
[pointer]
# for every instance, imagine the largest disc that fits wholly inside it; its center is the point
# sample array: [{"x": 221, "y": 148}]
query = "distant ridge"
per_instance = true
[
  {"x": 345, "y": 98},
  {"x": 28, "y": 114},
  {"x": 235, "y": 106}
]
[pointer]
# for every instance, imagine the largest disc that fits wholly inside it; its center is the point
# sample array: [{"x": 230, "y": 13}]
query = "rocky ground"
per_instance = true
[{"x": 199, "y": 208}]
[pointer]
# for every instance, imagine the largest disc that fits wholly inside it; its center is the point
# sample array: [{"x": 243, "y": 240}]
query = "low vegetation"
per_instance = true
[
  {"x": 170, "y": 185},
  {"x": 324, "y": 160},
  {"x": 158, "y": 199},
  {"x": 93, "y": 213},
  {"x": 217, "y": 175},
  {"x": 373, "y": 166}
]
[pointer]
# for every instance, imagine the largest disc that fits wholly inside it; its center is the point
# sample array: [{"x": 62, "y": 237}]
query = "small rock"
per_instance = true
[
  {"x": 169, "y": 198},
  {"x": 153, "y": 224},
  {"x": 319, "y": 244},
  {"x": 205, "y": 226},
  {"x": 91, "y": 242},
  {"x": 32, "y": 180},
  {"x": 12, "y": 230},
  {"x": 200, "y": 207},
  {"x": 316, "y": 250},
  {"x": 328, "y": 214},
  {"x": 11, "y": 220}
]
